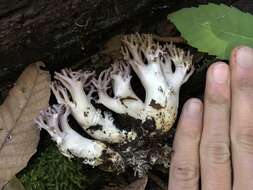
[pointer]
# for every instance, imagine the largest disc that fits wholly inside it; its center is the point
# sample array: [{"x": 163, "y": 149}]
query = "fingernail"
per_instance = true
[
  {"x": 193, "y": 107},
  {"x": 244, "y": 57},
  {"x": 220, "y": 73}
]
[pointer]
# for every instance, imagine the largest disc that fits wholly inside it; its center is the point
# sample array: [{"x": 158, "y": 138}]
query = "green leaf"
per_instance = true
[{"x": 215, "y": 29}]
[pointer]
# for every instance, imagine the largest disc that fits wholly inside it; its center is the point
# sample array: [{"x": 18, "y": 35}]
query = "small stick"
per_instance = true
[{"x": 177, "y": 39}]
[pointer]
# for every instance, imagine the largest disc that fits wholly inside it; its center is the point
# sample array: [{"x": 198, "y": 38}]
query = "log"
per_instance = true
[{"x": 61, "y": 32}]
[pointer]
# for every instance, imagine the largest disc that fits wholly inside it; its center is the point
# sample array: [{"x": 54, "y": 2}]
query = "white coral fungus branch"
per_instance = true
[
  {"x": 70, "y": 90},
  {"x": 125, "y": 100},
  {"x": 70, "y": 143},
  {"x": 153, "y": 63}
]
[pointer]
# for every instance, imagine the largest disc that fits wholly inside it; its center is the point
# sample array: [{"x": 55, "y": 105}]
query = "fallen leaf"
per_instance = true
[
  {"x": 18, "y": 135},
  {"x": 14, "y": 184},
  {"x": 139, "y": 184}
]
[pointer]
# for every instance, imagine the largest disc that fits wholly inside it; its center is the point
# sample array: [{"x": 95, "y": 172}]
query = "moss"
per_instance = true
[{"x": 50, "y": 170}]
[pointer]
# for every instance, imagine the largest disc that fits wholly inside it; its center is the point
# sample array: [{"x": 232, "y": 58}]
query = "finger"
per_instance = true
[
  {"x": 241, "y": 117},
  {"x": 214, "y": 147},
  {"x": 184, "y": 170}
]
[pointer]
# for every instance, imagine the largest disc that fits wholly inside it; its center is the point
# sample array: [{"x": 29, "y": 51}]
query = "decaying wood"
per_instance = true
[
  {"x": 18, "y": 135},
  {"x": 55, "y": 30}
]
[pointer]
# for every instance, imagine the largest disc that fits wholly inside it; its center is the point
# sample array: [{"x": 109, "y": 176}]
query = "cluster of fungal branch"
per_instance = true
[{"x": 161, "y": 69}]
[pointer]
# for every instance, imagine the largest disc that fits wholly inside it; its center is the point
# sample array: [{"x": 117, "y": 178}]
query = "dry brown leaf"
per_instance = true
[
  {"x": 18, "y": 135},
  {"x": 139, "y": 184},
  {"x": 14, "y": 184}
]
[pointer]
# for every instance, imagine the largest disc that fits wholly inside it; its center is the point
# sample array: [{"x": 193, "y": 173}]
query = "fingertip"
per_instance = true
[
  {"x": 218, "y": 73},
  {"x": 244, "y": 51},
  {"x": 215, "y": 65},
  {"x": 217, "y": 88},
  {"x": 190, "y": 122},
  {"x": 193, "y": 108}
]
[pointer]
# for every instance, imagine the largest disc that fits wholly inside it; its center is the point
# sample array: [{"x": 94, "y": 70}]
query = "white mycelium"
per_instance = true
[{"x": 161, "y": 68}]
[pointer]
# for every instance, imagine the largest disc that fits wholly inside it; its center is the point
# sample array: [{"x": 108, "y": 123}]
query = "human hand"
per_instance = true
[{"x": 213, "y": 146}]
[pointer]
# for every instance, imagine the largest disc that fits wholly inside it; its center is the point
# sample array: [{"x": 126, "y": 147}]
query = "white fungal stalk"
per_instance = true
[
  {"x": 69, "y": 90},
  {"x": 70, "y": 143}
]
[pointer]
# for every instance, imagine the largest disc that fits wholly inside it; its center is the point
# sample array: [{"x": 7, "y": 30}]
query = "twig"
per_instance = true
[{"x": 177, "y": 39}]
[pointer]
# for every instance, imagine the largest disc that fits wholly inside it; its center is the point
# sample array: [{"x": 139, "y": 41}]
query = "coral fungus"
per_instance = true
[{"x": 161, "y": 69}]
